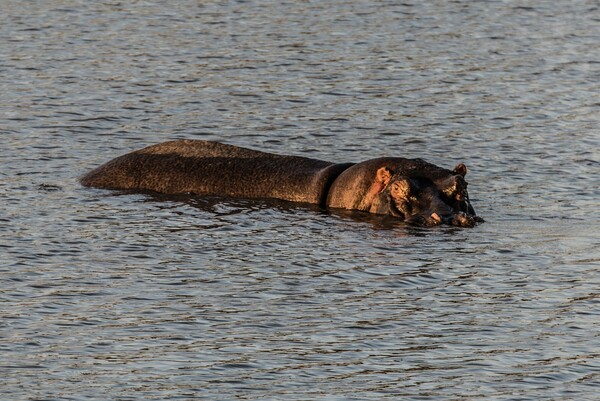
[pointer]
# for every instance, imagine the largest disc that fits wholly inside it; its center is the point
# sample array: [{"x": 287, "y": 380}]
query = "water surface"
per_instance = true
[{"x": 132, "y": 296}]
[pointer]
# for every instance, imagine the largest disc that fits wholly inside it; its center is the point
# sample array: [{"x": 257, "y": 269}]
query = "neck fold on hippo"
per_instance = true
[{"x": 327, "y": 177}]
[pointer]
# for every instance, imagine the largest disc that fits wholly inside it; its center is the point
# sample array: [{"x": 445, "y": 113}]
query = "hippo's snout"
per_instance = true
[{"x": 420, "y": 202}]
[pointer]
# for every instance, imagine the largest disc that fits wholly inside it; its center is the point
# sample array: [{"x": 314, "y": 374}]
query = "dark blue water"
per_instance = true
[{"x": 125, "y": 296}]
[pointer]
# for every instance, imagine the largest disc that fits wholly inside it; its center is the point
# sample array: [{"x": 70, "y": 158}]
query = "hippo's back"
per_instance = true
[{"x": 211, "y": 168}]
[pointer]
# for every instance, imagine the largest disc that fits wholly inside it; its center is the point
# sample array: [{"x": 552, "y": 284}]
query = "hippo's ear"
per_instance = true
[
  {"x": 460, "y": 169},
  {"x": 384, "y": 175},
  {"x": 401, "y": 188}
]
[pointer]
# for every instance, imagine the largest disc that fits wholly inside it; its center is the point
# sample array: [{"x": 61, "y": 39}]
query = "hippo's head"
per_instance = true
[{"x": 424, "y": 202}]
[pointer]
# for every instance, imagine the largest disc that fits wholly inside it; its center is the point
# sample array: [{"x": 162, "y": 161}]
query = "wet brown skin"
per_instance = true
[{"x": 413, "y": 190}]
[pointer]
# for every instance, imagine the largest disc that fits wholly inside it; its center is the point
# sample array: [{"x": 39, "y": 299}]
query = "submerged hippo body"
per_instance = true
[{"x": 410, "y": 189}]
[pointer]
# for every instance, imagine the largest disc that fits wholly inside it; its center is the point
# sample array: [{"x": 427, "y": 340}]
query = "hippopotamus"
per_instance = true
[{"x": 411, "y": 190}]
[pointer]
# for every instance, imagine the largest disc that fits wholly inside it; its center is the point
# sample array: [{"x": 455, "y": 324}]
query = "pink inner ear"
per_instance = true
[{"x": 383, "y": 176}]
